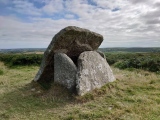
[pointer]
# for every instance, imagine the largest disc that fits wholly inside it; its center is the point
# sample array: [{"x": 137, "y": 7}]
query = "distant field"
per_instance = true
[
  {"x": 33, "y": 53},
  {"x": 117, "y": 49},
  {"x": 22, "y": 50},
  {"x": 137, "y": 49},
  {"x": 135, "y": 95}
]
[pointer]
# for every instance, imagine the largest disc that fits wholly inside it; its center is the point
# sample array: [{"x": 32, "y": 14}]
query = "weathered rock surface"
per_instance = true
[
  {"x": 64, "y": 71},
  {"x": 71, "y": 41},
  {"x": 93, "y": 72},
  {"x": 74, "y": 40},
  {"x": 101, "y": 53}
]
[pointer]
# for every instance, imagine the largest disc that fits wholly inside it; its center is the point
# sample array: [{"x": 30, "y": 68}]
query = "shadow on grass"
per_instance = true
[{"x": 27, "y": 99}]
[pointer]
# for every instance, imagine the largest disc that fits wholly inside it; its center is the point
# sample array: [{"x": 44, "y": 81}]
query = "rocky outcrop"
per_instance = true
[
  {"x": 72, "y": 41},
  {"x": 73, "y": 61},
  {"x": 64, "y": 71},
  {"x": 93, "y": 72}
]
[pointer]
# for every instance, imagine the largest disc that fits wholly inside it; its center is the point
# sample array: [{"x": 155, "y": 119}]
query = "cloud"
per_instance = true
[
  {"x": 69, "y": 16},
  {"x": 53, "y": 6},
  {"x": 123, "y": 23},
  {"x": 24, "y": 7},
  {"x": 4, "y": 2},
  {"x": 157, "y": 4},
  {"x": 140, "y": 1}
]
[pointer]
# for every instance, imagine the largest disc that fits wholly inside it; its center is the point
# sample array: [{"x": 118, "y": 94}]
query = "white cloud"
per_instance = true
[
  {"x": 24, "y": 7},
  {"x": 111, "y": 4},
  {"x": 69, "y": 16},
  {"x": 53, "y": 6},
  {"x": 134, "y": 23}
]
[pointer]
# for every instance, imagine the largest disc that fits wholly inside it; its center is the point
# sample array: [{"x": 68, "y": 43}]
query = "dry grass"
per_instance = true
[{"x": 135, "y": 95}]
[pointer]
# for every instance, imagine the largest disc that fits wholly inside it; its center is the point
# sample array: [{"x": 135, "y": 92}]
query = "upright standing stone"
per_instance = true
[
  {"x": 64, "y": 71},
  {"x": 93, "y": 72},
  {"x": 71, "y": 41}
]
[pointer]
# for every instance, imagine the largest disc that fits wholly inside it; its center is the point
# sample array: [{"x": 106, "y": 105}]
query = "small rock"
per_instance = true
[{"x": 110, "y": 107}]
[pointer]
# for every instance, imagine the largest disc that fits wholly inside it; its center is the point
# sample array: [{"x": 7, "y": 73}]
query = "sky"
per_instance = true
[{"x": 123, "y": 23}]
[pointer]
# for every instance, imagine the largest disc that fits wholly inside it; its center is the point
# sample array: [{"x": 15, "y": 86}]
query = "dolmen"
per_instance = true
[{"x": 72, "y": 60}]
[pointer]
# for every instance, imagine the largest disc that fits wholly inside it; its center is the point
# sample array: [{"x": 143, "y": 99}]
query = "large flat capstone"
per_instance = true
[
  {"x": 71, "y": 41},
  {"x": 93, "y": 72},
  {"x": 64, "y": 71}
]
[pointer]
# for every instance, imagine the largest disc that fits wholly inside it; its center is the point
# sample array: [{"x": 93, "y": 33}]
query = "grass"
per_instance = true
[
  {"x": 134, "y": 96},
  {"x": 1, "y": 72}
]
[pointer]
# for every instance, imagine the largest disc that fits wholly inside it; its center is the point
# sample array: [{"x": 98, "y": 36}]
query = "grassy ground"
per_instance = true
[{"x": 134, "y": 96}]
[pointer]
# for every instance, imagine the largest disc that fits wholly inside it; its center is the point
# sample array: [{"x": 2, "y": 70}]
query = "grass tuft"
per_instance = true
[{"x": 1, "y": 72}]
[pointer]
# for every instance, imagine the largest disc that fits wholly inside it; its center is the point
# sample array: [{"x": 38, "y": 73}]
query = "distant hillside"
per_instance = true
[
  {"x": 22, "y": 50},
  {"x": 138, "y": 49}
]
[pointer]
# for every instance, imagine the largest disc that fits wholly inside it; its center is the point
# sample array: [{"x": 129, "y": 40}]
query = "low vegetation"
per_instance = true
[
  {"x": 121, "y": 60},
  {"x": 12, "y": 60},
  {"x": 145, "y": 61},
  {"x": 1, "y": 72},
  {"x": 134, "y": 95}
]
